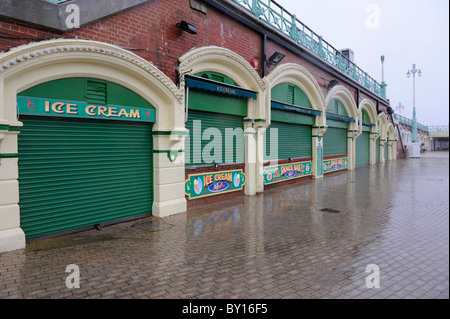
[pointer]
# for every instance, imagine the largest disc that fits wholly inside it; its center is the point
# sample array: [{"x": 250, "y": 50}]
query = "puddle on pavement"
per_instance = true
[
  {"x": 64, "y": 242},
  {"x": 152, "y": 225}
]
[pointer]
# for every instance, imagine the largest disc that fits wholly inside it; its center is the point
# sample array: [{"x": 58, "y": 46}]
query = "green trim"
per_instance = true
[
  {"x": 11, "y": 155},
  {"x": 256, "y": 120},
  {"x": 171, "y": 154},
  {"x": 15, "y": 128},
  {"x": 166, "y": 133},
  {"x": 5, "y": 127}
]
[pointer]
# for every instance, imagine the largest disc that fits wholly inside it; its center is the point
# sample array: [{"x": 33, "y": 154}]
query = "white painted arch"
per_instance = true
[
  {"x": 36, "y": 63},
  {"x": 382, "y": 126},
  {"x": 342, "y": 94},
  {"x": 229, "y": 63},
  {"x": 297, "y": 75}
]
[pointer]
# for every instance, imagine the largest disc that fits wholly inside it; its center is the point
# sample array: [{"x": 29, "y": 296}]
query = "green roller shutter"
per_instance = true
[
  {"x": 363, "y": 149},
  {"x": 378, "y": 149},
  {"x": 294, "y": 141},
  {"x": 207, "y": 130},
  {"x": 77, "y": 173},
  {"x": 335, "y": 142},
  {"x": 386, "y": 149}
]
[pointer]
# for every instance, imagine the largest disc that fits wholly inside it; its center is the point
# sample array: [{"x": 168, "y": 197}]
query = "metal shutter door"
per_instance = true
[
  {"x": 386, "y": 149},
  {"x": 335, "y": 141},
  {"x": 220, "y": 122},
  {"x": 75, "y": 173},
  {"x": 378, "y": 146},
  {"x": 294, "y": 140},
  {"x": 363, "y": 149}
]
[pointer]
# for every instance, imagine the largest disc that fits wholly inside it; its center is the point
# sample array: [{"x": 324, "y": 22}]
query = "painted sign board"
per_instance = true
[
  {"x": 214, "y": 183},
  {"x": 61, "y": 108},
  {"x": 334, "y": 165},
  {"x": 284, "y": 172}
]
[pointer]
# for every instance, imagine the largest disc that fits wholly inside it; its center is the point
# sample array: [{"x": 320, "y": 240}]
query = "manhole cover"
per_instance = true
[{"x": 330, "y": 210}]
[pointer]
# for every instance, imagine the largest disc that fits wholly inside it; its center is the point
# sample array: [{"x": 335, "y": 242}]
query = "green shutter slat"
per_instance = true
[
  {"x": 220, "y": 122},
  {"x": 363, "y": 149},
  {"x": 378, "y": 149},
  {"x": 386, "y": 148},
  {"x": 74, "y": 173},
  {"x": 335, "y": 142},
  {"x": 96, "y": 92},
  {"x": 294, "y": 141},
  {"x": 291, "y": 93}
]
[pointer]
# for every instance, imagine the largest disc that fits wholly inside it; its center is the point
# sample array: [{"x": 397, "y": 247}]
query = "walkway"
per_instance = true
[{"x": 311, "y": 240}]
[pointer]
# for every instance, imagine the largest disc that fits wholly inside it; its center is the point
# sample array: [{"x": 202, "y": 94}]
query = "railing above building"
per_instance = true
[
  {"x": 56, "y": 1},
  {"x": 409, "y": 122},
  {"x": 438, "y": 128},
  {"x": 278, "y": 17}
]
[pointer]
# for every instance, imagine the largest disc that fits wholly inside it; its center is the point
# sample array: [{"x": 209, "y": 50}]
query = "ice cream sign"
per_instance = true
[
  {"x": 62, "y": 108},
  {"x": 209, "y": 184},
  {"x": 280, "y": 173}
]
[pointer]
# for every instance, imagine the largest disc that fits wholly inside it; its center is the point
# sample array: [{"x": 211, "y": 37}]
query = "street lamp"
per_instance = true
[
  {"x": 400, "y": 108},
  {"x": 414, "y": 127}
]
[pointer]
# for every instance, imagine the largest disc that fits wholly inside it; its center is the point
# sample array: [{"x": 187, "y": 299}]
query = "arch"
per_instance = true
[
  {"x": 404, "y": 136},
  {"x": 382, "y": 125},
  {"x": 297, "y": 75},
  {"x": 32, "y": 64},
  {"x": 370, "y": 108},
  {"x": 344, "y": 95},
  {"x": 36, "y": 63},
  {"x": 228, "y": 63},
  {"x": 390, "y": 132},
  {"x": 392, "y": 148}
]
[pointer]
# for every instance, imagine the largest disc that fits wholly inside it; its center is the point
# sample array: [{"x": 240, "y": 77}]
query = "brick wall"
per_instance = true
[{"x": 150, "y": 31}]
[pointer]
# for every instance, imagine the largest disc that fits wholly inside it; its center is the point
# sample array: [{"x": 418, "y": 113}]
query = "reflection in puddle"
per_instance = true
[{"x": 207, "y": 224}]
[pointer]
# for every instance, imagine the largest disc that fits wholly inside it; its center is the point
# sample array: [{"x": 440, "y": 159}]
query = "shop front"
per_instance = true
[
  {"x": 363, "y": 141},
  {"x": 288, "y": 139},
  {"x": 87, "y": 140},
  {"x": 336, "y": 155},
  {"x": 85, "y": 151},
  {"x": 215, "y": 148}
]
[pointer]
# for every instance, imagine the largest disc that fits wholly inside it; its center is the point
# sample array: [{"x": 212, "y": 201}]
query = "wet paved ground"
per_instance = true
[{"x": 279, "y": 244}]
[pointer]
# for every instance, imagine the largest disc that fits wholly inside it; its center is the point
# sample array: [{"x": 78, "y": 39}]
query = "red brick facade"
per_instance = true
[{"x": 150, "y": 31}]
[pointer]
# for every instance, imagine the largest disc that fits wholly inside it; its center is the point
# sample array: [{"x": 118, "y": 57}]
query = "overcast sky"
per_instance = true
[{"x": 405, "y": 31}]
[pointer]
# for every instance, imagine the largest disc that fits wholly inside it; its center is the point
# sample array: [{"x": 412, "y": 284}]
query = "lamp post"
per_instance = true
[
  {"x": 399, "y": 108},
  {"x": 383, "y": 84},
  {"x": 414, "y": 126}
]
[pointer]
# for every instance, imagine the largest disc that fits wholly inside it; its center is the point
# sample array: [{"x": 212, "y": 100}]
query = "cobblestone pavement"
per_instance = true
[{"x": 310, "y": 240}]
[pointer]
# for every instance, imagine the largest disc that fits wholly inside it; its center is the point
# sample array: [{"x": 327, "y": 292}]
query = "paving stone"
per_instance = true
[{"x": 394, "y": 215}]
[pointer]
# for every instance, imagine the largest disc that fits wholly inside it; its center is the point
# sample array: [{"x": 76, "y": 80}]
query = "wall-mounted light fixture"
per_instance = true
[
  {"x": 276, "y": 58},
  {"x": 189, "y": 28},
  {"x": 331, "y": 84}
]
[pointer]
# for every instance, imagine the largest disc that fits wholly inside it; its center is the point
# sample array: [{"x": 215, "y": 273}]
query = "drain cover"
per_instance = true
[{"x": 330, "y": 210}]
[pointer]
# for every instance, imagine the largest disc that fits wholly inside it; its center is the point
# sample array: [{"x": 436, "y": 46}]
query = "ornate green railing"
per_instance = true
[
  {"x": 277, "y": 16},
  {"x": 438, "y": 128},
  {"x": 56, "y": 1},
  {"x": 409, "y": 122}
]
